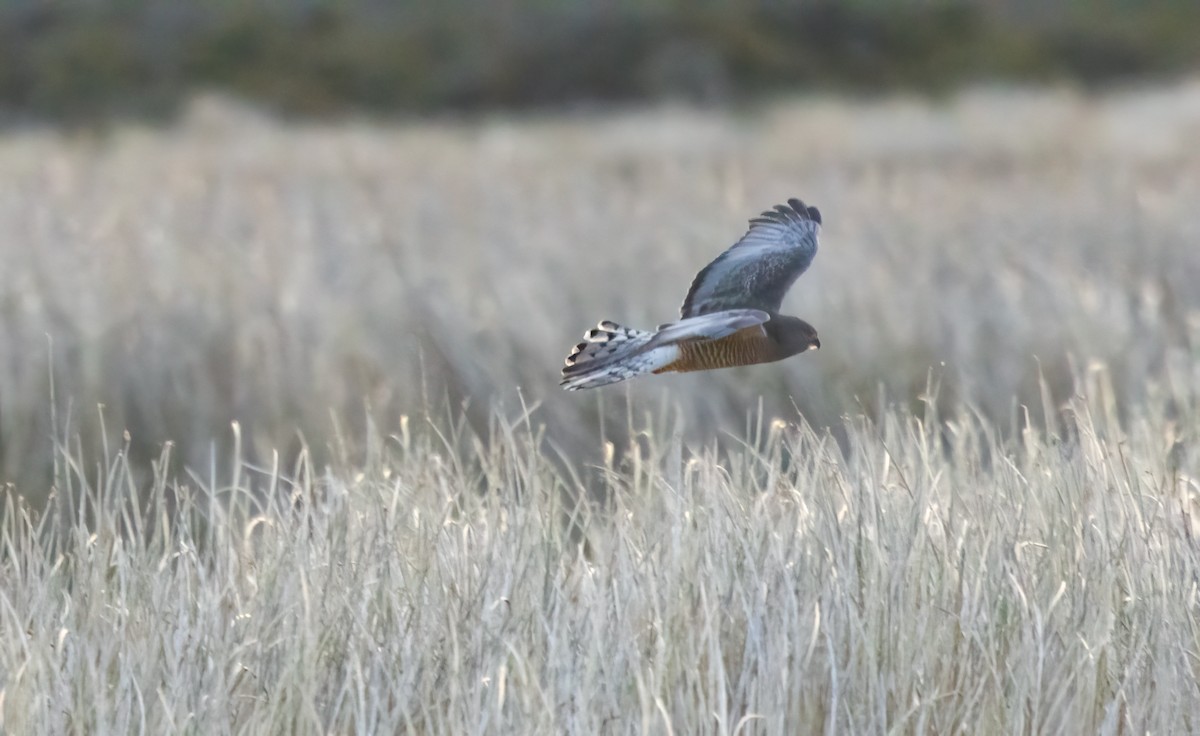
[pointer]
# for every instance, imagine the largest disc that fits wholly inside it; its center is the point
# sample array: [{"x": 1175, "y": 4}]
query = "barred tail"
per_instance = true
[{"x": 611, "y": 353}]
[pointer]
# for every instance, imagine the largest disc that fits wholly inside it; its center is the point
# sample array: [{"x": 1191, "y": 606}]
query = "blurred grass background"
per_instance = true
[
  {"x": 306, "y": 216},
  {"x": 305, "y": 279}
]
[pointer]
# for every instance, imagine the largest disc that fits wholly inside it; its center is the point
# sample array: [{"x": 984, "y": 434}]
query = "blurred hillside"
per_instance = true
[{"x": 80, "y": 60}]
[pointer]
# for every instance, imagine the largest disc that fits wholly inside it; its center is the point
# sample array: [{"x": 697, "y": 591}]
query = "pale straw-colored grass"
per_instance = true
[
  {"x": 234, "y": 268},
  {"x": 927, "y": 578},
  {"x": 981, "y": 519}
]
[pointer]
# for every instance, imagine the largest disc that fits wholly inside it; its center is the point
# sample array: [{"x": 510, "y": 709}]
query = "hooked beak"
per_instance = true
[{"x": 816, "y": 343}]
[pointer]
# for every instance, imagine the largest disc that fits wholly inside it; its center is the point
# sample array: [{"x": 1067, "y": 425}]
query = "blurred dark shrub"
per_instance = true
[{"x": 77, "y": 60}]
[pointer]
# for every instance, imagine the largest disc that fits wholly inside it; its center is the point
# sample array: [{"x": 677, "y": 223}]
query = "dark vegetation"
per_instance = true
[{"x": 80, "y": 61}]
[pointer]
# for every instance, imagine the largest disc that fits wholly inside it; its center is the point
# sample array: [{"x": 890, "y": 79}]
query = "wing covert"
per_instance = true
[
  {"x": 710, "y": 326},
  {"x": 758, "y": 270}
]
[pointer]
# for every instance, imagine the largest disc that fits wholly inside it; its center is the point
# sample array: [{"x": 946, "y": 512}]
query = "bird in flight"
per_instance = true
[{"x": 729, "y": 317}]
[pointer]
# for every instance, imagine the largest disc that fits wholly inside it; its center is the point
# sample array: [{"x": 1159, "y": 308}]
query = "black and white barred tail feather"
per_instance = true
[{"x": 608, "y": 354}]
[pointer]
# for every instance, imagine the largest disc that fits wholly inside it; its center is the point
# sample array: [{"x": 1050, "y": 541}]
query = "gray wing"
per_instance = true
[
  {"x": 759, "y": 269},
  {"x": 711, "y": 326}
]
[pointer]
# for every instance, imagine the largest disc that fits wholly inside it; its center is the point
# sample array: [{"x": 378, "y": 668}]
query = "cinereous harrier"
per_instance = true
[{"x": 729, "y": 317}]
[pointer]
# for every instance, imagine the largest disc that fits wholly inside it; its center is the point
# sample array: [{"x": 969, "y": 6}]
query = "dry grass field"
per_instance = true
[{"x": 285, "y": 450}]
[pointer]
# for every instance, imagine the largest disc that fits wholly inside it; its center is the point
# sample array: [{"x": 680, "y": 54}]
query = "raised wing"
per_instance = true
[{"x": 759, "y": 269}]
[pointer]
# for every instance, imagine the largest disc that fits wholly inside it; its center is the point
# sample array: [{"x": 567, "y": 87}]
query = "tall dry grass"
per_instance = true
[
  {"x": 933, "y": 578},
  {"x": 971, "y": 511}
]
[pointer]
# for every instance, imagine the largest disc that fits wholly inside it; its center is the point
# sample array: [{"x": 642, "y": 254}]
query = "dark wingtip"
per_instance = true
[
  {"x": 806, "y": 212},
  {"x": 784, "y": 213}
]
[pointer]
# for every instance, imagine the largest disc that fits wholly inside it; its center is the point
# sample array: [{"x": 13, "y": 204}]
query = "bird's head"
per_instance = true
[{"x": 793, "y": 335}]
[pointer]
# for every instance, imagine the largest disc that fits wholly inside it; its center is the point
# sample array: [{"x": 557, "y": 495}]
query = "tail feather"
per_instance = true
[
  {"x": 607, "y": 341},
  {"x": 611, "y": 353}
]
